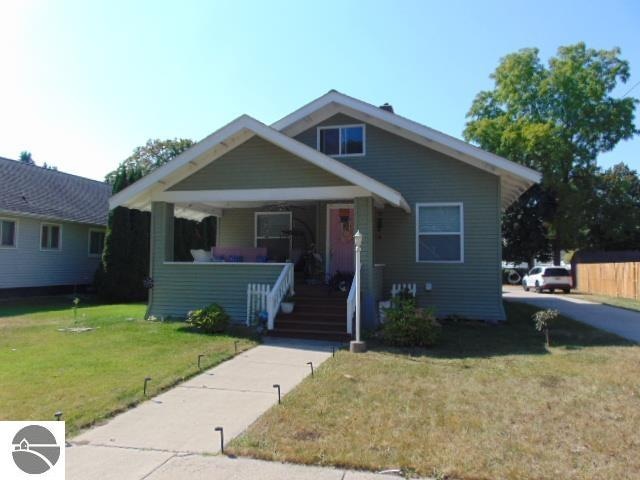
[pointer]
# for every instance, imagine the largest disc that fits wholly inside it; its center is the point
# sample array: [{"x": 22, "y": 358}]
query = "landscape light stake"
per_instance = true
[
  {"x": 275, "y": 385},
  {"x": 333, "y": 350},
  {"x": 311, "y": 365},
  {"x": 146, "y": 380},
  {"x": 219, "y": 429},
  {"x": 200, "y": 358},
  {"x": 235, "y": 346},
  {"x": 58, "y": 415}
]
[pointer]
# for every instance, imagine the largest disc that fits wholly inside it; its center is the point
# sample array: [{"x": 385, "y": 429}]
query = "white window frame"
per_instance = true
[
  {"x": 94, "y": 230},
  {"x": 255, "y": 228},
  {"x": 49, "y": 224},
  {"x": 15, "y": 232},
  {"x": 461, "y": 232},
  {"x": 340, "y": 127}
]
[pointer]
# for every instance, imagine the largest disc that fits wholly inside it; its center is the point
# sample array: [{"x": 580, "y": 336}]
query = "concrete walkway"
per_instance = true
[
  {"x": 625, "y": 323},
  {"x": 172, "y": 435}
]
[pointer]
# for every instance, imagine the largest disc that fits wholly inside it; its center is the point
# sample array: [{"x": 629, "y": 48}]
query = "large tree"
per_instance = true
[
  {"x": 555, "y": 118},
  {"x": 614, "y": 222},
  {"x": 125, "y": 260}
]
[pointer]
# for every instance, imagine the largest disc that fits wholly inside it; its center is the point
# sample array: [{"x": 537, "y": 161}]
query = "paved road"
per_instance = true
[
  {"x": 625, "y": 323},
  {"x": 172, "y": 435}
]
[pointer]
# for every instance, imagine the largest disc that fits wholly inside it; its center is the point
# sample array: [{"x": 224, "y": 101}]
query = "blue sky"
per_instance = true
[{"x": 83, "y": 83}]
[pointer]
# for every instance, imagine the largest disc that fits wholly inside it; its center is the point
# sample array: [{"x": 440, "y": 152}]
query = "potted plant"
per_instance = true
[{"x": 287, "y": 304}]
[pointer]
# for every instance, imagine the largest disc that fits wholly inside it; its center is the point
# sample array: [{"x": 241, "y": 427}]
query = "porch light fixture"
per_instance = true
[
  {"x": 58, "y": 415},
  {"x": 357, "y": 346}
]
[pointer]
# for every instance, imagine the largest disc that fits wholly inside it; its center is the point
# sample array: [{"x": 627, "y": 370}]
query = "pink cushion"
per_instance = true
[{"x": 249, "y": 254}]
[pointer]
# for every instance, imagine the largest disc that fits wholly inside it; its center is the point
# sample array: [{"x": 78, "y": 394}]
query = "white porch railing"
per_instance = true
[
  {"x": 256, "y": 300},
  {"x": 351, "y": 306},
  {"x": 283, "y": 285}
]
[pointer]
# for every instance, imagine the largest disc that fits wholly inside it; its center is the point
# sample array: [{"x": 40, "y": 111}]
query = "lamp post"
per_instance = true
[{"x": 357, "y": 345}]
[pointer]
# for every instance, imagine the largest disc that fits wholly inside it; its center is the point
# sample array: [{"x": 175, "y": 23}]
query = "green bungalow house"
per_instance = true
[{"x": 428, "y": 206}]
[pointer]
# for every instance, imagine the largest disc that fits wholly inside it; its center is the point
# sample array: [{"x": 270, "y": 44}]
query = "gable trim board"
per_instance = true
[
  {"x": 515, "y": 178},
  {"x": 154, "y": 186}
]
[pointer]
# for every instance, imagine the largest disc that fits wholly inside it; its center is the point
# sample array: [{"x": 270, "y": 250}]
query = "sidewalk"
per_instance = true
[
  {"x": 172, "y": 435},
  {"x": 106, "y": 463}
]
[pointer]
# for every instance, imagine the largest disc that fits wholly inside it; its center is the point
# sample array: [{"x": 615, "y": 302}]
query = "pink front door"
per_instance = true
[{"x": 341, "y": 223}]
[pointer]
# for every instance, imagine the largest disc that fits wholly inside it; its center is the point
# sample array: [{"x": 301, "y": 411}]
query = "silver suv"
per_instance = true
[{"x": 547, "y": 278}]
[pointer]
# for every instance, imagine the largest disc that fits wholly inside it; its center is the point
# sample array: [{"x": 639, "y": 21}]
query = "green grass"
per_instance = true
[
  {"x": 490, "y": 402},
  {"x": 626, "y": 303},
  {"x": 92, "y": 375}
]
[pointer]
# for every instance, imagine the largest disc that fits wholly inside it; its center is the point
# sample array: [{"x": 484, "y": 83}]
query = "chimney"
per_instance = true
[{"x": 387, "y": 107}]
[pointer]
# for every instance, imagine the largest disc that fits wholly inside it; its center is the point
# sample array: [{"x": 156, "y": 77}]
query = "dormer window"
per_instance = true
[{"x": 342, "y": 140}]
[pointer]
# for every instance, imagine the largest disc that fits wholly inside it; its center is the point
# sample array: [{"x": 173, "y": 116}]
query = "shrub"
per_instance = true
[
  {"x": 211, "y": 319},
  {"x": 543, "y": 320},
  {"x": 406, "y": 325}
]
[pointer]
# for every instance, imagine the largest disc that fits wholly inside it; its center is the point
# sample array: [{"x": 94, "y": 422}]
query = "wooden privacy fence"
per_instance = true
[{"x": 611, "y": 279}]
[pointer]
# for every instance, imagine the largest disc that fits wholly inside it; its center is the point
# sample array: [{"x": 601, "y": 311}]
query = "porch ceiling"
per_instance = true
[{"x": 196, "y": 205}]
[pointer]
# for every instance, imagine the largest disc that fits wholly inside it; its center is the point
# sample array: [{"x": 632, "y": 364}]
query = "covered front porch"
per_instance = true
[{"x": 277, "y": 247}]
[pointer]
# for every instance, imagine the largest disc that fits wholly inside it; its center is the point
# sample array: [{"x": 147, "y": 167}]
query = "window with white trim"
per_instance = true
[
  {"x": 7, "y": 233},
  {"x": 341, "y": 140},
  {"x": 96, "y": 242},
  {"x": 50, "y": 234},
  {"x": 273, "y": 231},
  {"x": 439, "y": 233}
]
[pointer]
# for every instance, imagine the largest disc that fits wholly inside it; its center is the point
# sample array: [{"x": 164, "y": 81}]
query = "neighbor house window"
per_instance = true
[
  {"x": 96, "y": 242},
  {"x": 7, "y": 233},
  {"x": 50, "y": 236},
  {"x": 342, "y": 140},
  {"x": 273, "y": 231},
  {"x": 439, "y": 232}
]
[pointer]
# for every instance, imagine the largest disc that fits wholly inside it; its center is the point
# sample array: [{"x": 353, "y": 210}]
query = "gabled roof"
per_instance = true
[
  {"x": 39, "y": 192},
  {"x": 515, "y": 178},
  {"x": 139, "y": 194}
]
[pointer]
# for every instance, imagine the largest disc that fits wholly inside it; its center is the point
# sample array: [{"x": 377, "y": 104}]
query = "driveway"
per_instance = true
[
  {"x": 625, "y": 323},
  {"x": 172, "y": 435}
]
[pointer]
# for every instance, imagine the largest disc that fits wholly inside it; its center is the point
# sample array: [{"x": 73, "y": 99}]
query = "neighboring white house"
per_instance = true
[{"x": 52, "y": 228}]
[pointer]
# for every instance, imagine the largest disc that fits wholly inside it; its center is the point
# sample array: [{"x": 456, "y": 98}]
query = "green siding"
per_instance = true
[
  {"x": 179, "y": 288},
  {"x": 237, "y": 226},
  {"x": 258, "y": 164},
  {"x": 471, "y": 289}
]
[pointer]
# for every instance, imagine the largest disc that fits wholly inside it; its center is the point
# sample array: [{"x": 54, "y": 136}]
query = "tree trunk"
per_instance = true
[{"x": 556, "y": 255}]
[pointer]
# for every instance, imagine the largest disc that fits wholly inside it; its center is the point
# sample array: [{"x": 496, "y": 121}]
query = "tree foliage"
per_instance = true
[
  {"x": 614, "y": 221},
  {"x": 147, "y": 158},
  {"x": 25, "y": 157},
  {"x": 125, "y": 260},
  {"x": 555, "y": 118}
]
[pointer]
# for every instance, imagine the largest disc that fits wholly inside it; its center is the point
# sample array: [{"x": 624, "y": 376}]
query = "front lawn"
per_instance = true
[
  {"x": 491, "y": 402},
  {"x": 91, "y": 375}
]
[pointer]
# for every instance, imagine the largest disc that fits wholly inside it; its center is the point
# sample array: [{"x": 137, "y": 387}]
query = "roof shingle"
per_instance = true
[{"x": 32, "y": 190}]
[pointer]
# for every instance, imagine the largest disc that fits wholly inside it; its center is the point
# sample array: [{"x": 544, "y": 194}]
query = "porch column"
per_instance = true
[
  {"x": 161, "y": 234},
  {"x": 364, "y": 222}
]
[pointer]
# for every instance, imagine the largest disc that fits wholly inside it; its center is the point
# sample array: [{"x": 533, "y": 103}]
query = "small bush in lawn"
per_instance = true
[
  {"x": 406, "y": 325},
  {"x": 211, "y": 319},
  {"x": 543, "y": 320}
]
